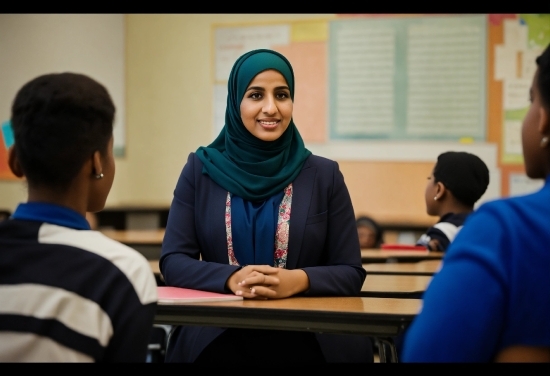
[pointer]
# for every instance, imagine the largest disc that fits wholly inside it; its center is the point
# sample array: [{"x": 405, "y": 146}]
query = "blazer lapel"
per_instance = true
[{"x": 302, "y": 188}]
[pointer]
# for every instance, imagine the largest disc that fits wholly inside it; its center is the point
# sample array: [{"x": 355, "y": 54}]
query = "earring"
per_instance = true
[
  {"x": 435, "y": 198},
  {"x": 544, "y": 142},
  {"x": 99, "y": 176}
]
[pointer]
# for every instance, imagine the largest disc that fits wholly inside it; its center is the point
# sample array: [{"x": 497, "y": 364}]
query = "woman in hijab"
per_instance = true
[{"x": 256, "y": 214}]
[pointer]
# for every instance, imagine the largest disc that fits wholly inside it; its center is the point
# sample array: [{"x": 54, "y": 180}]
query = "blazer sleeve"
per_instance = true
[
  {"x": 186, "y": 239},
  {"x": 331, "y": 228}
]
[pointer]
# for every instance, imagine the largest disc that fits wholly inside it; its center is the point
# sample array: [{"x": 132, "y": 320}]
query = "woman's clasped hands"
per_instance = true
[{"x": 267, "y": 282}]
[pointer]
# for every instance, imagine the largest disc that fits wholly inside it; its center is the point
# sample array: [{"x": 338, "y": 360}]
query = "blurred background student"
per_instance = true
[
  {"x": 68, "y": 293},
  {"x": 457, "y": 182},
  {"x": 490, "y": 301},
  {"x": 371, "y": 235}
]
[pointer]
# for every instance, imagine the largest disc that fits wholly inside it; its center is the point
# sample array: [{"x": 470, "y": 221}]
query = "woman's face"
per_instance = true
[
  {"x": 266, "y": 107},
  {"x": 531, "y": 135}
]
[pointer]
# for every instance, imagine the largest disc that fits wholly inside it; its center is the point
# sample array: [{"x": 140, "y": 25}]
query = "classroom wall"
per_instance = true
[{"x": 35, "y": 44}]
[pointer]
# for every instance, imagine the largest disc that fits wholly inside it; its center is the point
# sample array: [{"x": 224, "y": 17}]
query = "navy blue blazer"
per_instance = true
[{"x": 323, "y": 240}]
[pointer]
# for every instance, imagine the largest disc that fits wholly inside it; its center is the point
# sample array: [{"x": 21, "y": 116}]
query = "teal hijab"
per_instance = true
[{"x": 238, "y": 161}]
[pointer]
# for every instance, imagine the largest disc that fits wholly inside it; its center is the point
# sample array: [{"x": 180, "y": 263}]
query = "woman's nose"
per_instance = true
[{"x": 270, "y": 106}]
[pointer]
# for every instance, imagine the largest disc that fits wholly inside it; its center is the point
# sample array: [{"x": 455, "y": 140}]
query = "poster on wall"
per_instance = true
[
  {"x": 408, "y": 78},
  {"x": 524, "y": 38},
  {"x": 6, "y": 140}
]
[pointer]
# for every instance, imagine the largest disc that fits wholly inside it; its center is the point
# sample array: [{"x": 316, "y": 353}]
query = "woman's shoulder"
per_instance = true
[
  {"x": 318, "y": 161},
  {"x": 193, "y": 162}
]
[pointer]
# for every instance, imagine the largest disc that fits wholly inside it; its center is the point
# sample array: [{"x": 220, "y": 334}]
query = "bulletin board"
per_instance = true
[
  {"x": 514, "y": 41},
  {"x": 6, "y": 140},
  {"x": 408, "y": 78}
]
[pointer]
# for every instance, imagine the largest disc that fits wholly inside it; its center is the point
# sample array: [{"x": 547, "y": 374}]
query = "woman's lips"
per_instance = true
[{"x": 269, "y": 124}]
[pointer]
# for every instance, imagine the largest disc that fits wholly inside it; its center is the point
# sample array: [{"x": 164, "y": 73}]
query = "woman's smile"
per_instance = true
[{"x": 269, "y": 124}]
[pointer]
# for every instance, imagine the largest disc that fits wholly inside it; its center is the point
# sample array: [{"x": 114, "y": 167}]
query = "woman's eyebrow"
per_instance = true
[
  {"x": 255, "y": 88},
  {"x": 260, "y": 88}
]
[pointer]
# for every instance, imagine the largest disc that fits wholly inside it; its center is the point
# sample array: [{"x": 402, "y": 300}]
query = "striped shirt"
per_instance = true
[
  {"x": 69, "y": 294},
  {"x": 444, "y": 231}
]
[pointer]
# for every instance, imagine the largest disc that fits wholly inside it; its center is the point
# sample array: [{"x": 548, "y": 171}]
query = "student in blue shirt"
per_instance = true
[
  {"x": 67, "y": 293},
  {"x": 490, "y": 301}
]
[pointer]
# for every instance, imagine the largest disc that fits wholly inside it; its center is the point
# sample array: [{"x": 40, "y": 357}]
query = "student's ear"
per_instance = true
[
  {"x": 13, "y": 162},
  {"x": 440, "y": 190},
  {"x": 97, "y": 167}
]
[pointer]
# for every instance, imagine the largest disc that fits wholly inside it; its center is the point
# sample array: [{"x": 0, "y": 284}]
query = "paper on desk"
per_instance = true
[{"x": 178, "y": 295}]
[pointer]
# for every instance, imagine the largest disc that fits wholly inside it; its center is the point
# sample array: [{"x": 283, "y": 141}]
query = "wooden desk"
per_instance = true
[
  {"x": 396, "y": 286},
  {"x": 378, "y": 255},
  {"x": 136, "y": 237},
  {"x": 427, "y": 267},
  {"x": 382, "y": 318},
  {"x": 128, "y": 216},
  {"x": 154, "y": 264}
]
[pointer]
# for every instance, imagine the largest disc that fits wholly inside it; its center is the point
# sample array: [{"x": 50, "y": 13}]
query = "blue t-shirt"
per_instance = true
[{"x": 493, "y": 289}]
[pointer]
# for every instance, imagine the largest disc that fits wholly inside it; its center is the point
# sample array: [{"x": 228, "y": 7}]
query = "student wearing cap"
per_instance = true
[{"x": 457, "y": 182}]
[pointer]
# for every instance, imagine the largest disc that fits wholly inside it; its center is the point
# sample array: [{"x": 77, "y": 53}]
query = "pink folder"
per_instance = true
[{"x": 179, "y": 295}]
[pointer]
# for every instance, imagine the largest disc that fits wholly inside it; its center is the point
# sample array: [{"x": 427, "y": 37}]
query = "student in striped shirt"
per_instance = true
[{"x": 68, "y": 293}]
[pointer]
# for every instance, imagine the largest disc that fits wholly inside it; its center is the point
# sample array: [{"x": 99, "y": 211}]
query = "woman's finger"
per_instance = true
[
  {"x": 264, "y": 269},
  {"x": 260, "y": 279},
  {"x": 263, "y": 291}
]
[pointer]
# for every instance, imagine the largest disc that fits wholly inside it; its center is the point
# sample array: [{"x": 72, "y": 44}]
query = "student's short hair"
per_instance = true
[
  {"x": 59, "y": 120},
  {"x": 464, "y": 174},
  {"x": 543, "y": 81}
]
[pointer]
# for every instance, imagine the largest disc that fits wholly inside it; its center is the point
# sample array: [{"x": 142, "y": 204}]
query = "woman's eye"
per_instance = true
[
  {"x": 282, "y": 95},
  {"x": 255, "y": 96}
]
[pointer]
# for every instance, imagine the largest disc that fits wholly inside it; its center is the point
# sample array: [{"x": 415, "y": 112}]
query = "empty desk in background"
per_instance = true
[
  {"x": 134, "y": 217},
  {"x": 154, "y": 264},
  {"x": 379, "y": 255},
  {"x": 395, "y": 286},
  {"x": 147, "y": 242},
  {"x": 426, "y": 267},
  {"x": 382, "y": 318}
]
